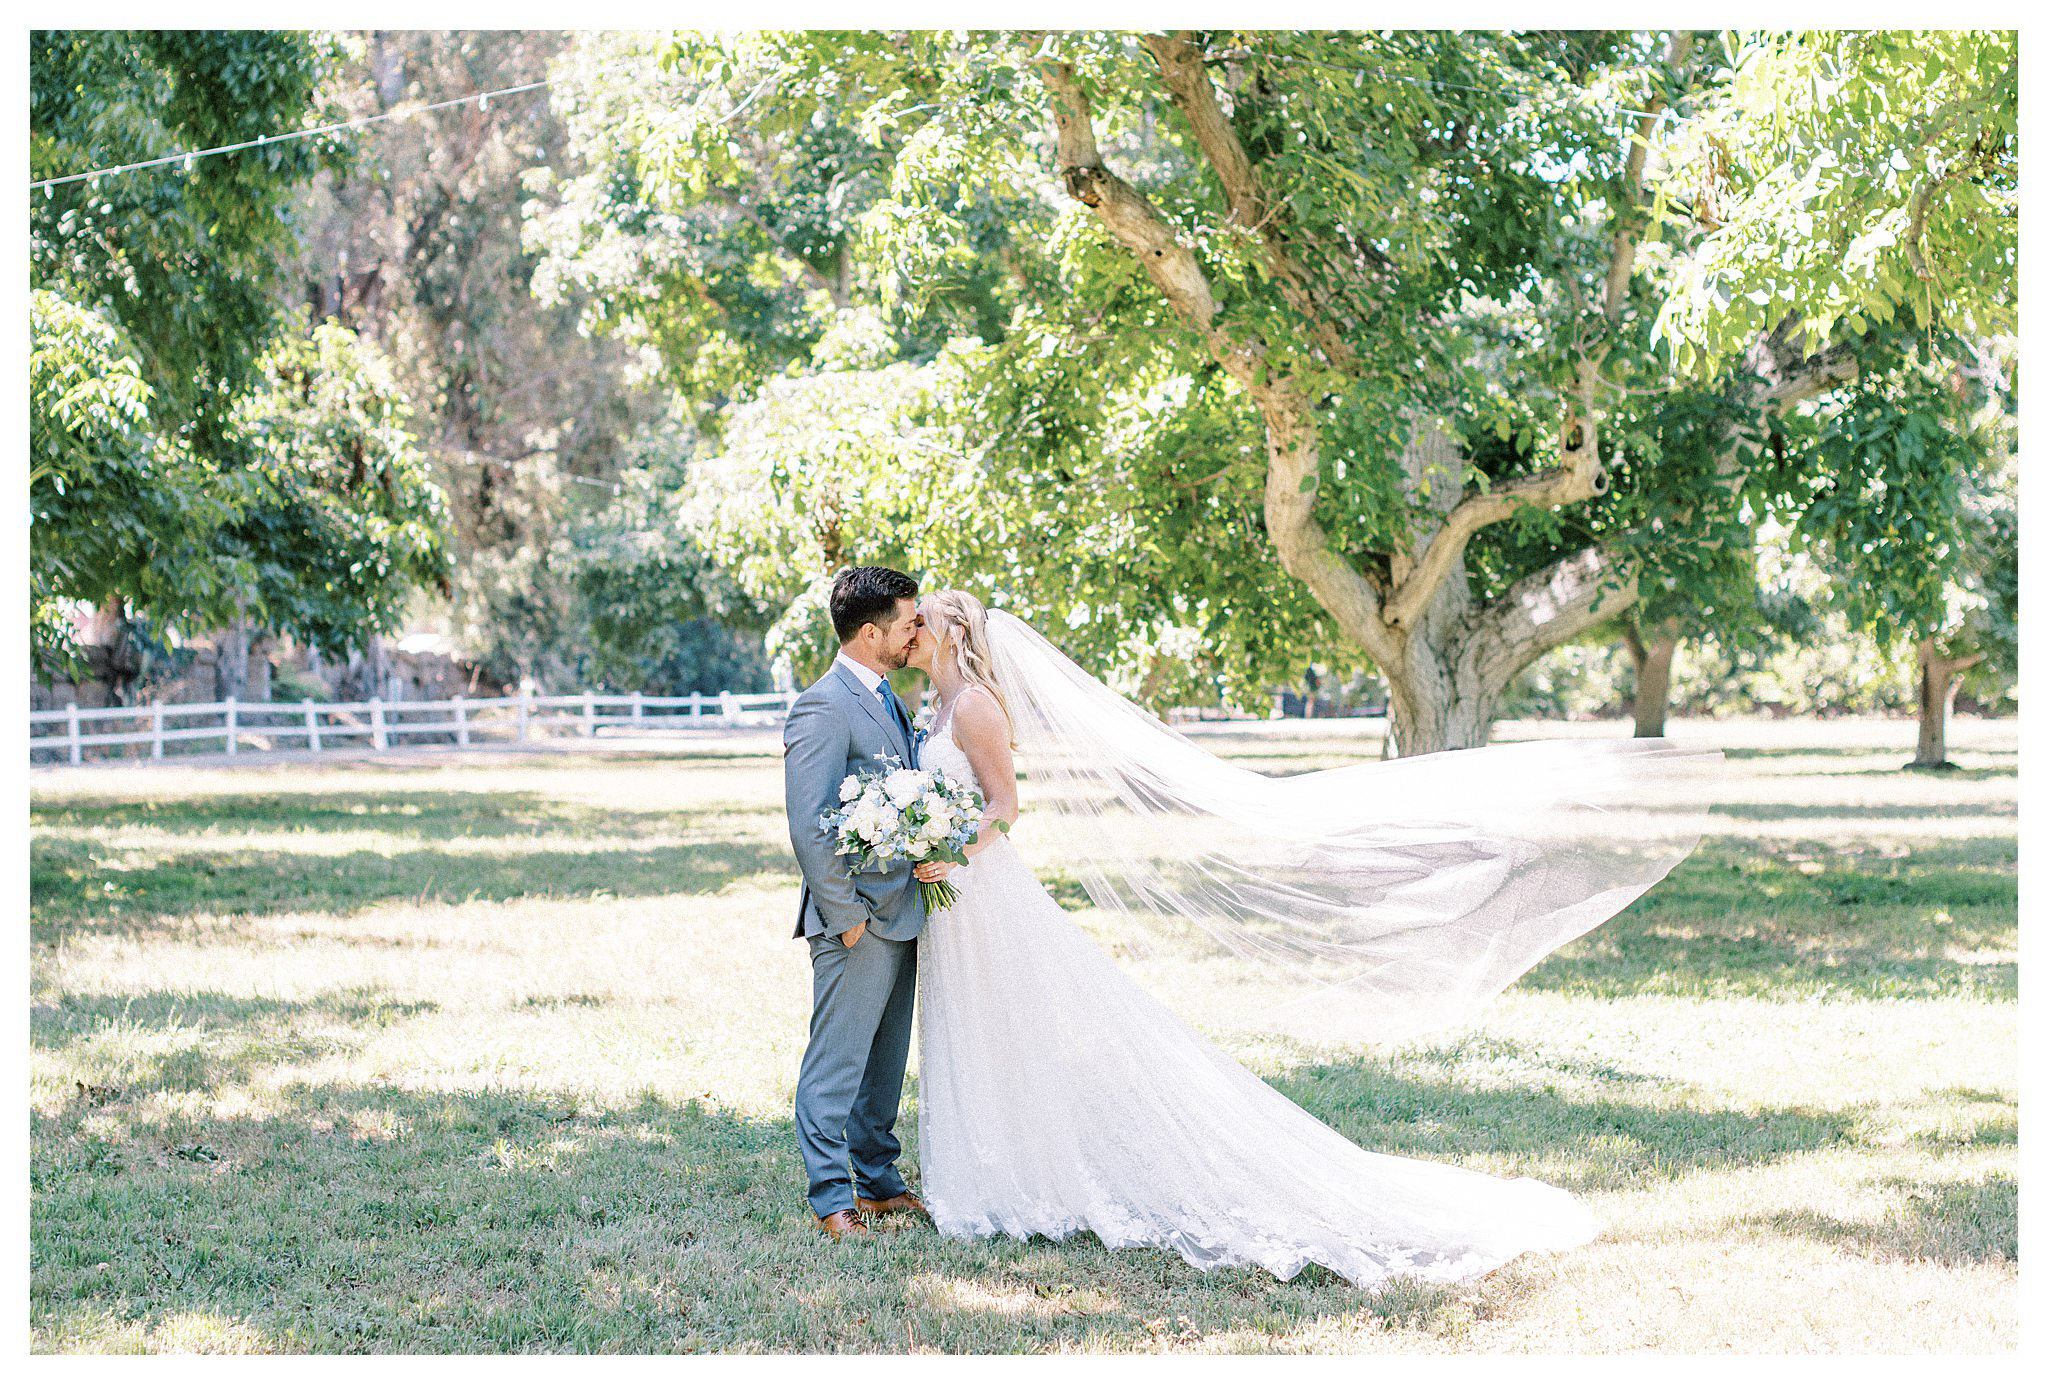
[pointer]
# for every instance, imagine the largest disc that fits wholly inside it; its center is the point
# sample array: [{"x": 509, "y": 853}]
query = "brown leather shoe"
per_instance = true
[
  {"x": 905, "y": 1201},
  {"x": 845, "y": 1223}
]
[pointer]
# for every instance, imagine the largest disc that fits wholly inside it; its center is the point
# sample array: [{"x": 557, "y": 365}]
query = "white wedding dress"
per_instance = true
[{"x": 1056, "y": 1096}]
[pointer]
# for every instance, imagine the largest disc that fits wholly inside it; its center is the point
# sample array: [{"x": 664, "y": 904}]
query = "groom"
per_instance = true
[{"x": 862, "y": 929}]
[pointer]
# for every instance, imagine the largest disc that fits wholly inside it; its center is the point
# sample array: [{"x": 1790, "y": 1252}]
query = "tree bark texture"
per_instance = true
[
  {"x": 1652, "y": 660},
  {"x": 1940, "y": 676}
]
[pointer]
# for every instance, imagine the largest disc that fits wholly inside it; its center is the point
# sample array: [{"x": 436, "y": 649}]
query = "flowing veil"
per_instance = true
[{"x": 1371, "y": 902}]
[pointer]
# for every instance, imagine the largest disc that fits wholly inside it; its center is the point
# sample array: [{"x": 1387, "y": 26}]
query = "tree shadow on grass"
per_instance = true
[
  {"x": 1802, "y": 752},
  {"x": 1803, "y": 918},
  {"x": 1952, "y": 1222},
  {"x": 215, "y": 1038},
  {"x": 1788, "y": 812},
  {"x": 71, "y": 893},
  {"x": 1410, "y": 1105},
  {"x": 347, "y": 1217},
  {"x": 428, "y": 814}
]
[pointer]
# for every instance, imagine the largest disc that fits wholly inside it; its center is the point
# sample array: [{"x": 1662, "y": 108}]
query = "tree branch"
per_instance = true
[
  {"x": 1292, "y": 468},
  {"x": 811, "y": 271},
  {"x": 1293, "y": 464},
  {"x": 1783, "y": 372},
  {"x": 1579, "y": 479},
  {"x": 1621, "y": 265},
  {"x": 1187, "y": 82},
  {"x": 1128, "y": 216},
  {"x": 1581, "y": 474},
  {"x": 1550, "y": 607}
]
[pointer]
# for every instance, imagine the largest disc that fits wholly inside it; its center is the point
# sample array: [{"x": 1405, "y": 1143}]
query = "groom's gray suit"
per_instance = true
[{"x": 851, "y": 1082}]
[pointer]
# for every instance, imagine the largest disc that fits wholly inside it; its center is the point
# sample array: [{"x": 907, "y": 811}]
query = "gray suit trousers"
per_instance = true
[{"x": 851, "y": 1084}]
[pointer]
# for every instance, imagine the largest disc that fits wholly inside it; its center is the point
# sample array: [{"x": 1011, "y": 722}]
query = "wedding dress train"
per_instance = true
[{"x": 1056, "y": 1096}]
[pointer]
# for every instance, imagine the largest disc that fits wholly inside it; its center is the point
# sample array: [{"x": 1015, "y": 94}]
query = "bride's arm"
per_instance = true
[{"x": 983, "y": 734}]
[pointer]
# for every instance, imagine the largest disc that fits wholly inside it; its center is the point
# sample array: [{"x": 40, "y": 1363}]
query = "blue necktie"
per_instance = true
[{"x": 896, "y": 709}]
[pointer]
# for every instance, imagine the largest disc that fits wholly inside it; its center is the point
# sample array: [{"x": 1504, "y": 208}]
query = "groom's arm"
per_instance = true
[{"x": 815, "y": 750}]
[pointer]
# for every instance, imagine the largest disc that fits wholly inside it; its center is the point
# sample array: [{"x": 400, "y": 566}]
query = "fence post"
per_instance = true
[
  {"x": 461, "y": 722},
  {"x": 230, "y": 725},
  {"x": 728, "y": 707},
  {"x": 377, "y": 723},
  {"x": 312, "y": 725},
  {"x": 525, "y": 702},
  {"x": 589, "y": 712},
  {"x": 77, "y": 756},
  {"x": 638, "y": 710},
  {"x": 696, "y": 707},
  {"x": 156, "y": 729}
]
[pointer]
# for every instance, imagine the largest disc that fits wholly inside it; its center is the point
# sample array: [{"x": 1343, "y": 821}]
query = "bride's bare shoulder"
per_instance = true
[{"x": 978, "y": 714}]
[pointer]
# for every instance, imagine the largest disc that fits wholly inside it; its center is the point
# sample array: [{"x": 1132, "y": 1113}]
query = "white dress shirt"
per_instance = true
[{"x": 867, "y": 677}]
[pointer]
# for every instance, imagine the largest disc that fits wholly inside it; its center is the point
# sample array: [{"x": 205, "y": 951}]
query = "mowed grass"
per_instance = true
[{"x": 495, "y": 1053}]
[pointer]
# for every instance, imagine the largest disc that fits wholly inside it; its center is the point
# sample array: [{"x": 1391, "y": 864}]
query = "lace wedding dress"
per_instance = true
[{"x": 1056, "y": 1096}]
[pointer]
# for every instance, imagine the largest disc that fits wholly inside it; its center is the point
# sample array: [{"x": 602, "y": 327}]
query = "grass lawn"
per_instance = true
[{"x": 495, "y": 1053}]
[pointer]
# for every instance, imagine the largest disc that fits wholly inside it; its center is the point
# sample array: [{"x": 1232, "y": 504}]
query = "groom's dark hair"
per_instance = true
[{"x": 863, "y": 594}]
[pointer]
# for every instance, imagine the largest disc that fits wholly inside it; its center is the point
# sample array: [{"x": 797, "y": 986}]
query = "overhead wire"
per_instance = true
[
  {"x": 482, "y": 99},
  {"x": 188, "y": 157}
]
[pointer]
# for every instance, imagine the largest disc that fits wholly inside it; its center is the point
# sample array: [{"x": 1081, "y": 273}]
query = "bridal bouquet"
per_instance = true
[{"x": 892, "y": 815}]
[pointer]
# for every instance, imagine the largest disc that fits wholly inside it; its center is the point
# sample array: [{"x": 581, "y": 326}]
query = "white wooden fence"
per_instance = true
[{"x": 379, "y": 725}]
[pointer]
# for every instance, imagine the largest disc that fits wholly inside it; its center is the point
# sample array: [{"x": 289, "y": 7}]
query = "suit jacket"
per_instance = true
[{"x": 837, "y": 728}]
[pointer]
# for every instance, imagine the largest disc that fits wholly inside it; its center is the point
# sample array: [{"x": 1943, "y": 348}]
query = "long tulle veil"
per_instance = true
[{"x": 1371, "y": 902}]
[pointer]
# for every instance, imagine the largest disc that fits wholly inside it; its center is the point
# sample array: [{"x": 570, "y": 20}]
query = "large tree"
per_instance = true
[
  {"x": 117, "y": 513},
  {"x": 202, "y": 459},
  {"x": 337, "y": 523},
  {"x": 1405, "y": 261},
  {"x": 1391, "y": 297},
  {"x": 1914, "y": 507},
  {"x": 1869, "y": 180}
]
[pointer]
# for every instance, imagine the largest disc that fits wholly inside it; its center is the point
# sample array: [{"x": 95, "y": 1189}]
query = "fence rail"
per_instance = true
[{"x": 379, "y": 724}]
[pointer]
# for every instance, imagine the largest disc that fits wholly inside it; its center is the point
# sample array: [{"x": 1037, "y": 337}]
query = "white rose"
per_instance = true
[
  {"x": 849, "y": 789},
  {"x": 903, "y": 786}
]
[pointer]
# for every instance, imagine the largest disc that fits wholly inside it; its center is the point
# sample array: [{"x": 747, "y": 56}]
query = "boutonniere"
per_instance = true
[{"x": 922, "y": 722}]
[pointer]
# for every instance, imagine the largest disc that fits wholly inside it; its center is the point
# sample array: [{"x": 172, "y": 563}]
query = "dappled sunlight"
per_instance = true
[
  {"x": 521, "y": 1079},
  {"x": 205, "y": 1333},
  {"x": 942, "y": 1294}
]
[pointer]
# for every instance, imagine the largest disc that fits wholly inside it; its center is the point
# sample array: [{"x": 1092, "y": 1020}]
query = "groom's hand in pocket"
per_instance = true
[{"x": 855, "y": 933}]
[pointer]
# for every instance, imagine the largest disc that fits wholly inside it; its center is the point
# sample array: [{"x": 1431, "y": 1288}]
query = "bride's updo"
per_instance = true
[{"x": 963, "y": 622}]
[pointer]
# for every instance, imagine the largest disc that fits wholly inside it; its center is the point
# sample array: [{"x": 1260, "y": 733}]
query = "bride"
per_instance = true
[{"x": 1058, "y": 1096}]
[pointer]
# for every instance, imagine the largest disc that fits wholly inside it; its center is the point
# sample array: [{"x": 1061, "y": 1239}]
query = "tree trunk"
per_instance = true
[
  {"x": 256, "y": 682},
  {"x": 1939, "y": 679},
  {"x": 1422, "y": 721},
  {"x": 231, "y": 663},
  {"x": 1653, "y": 674},
  {"x": 367, "y": 672},
  {"x": 110, "y": 653},
  {"x": 1443, "y": 693}
]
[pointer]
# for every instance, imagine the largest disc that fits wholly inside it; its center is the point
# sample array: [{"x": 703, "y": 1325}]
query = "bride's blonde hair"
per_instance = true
[{"x": 965, "y": 623}]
